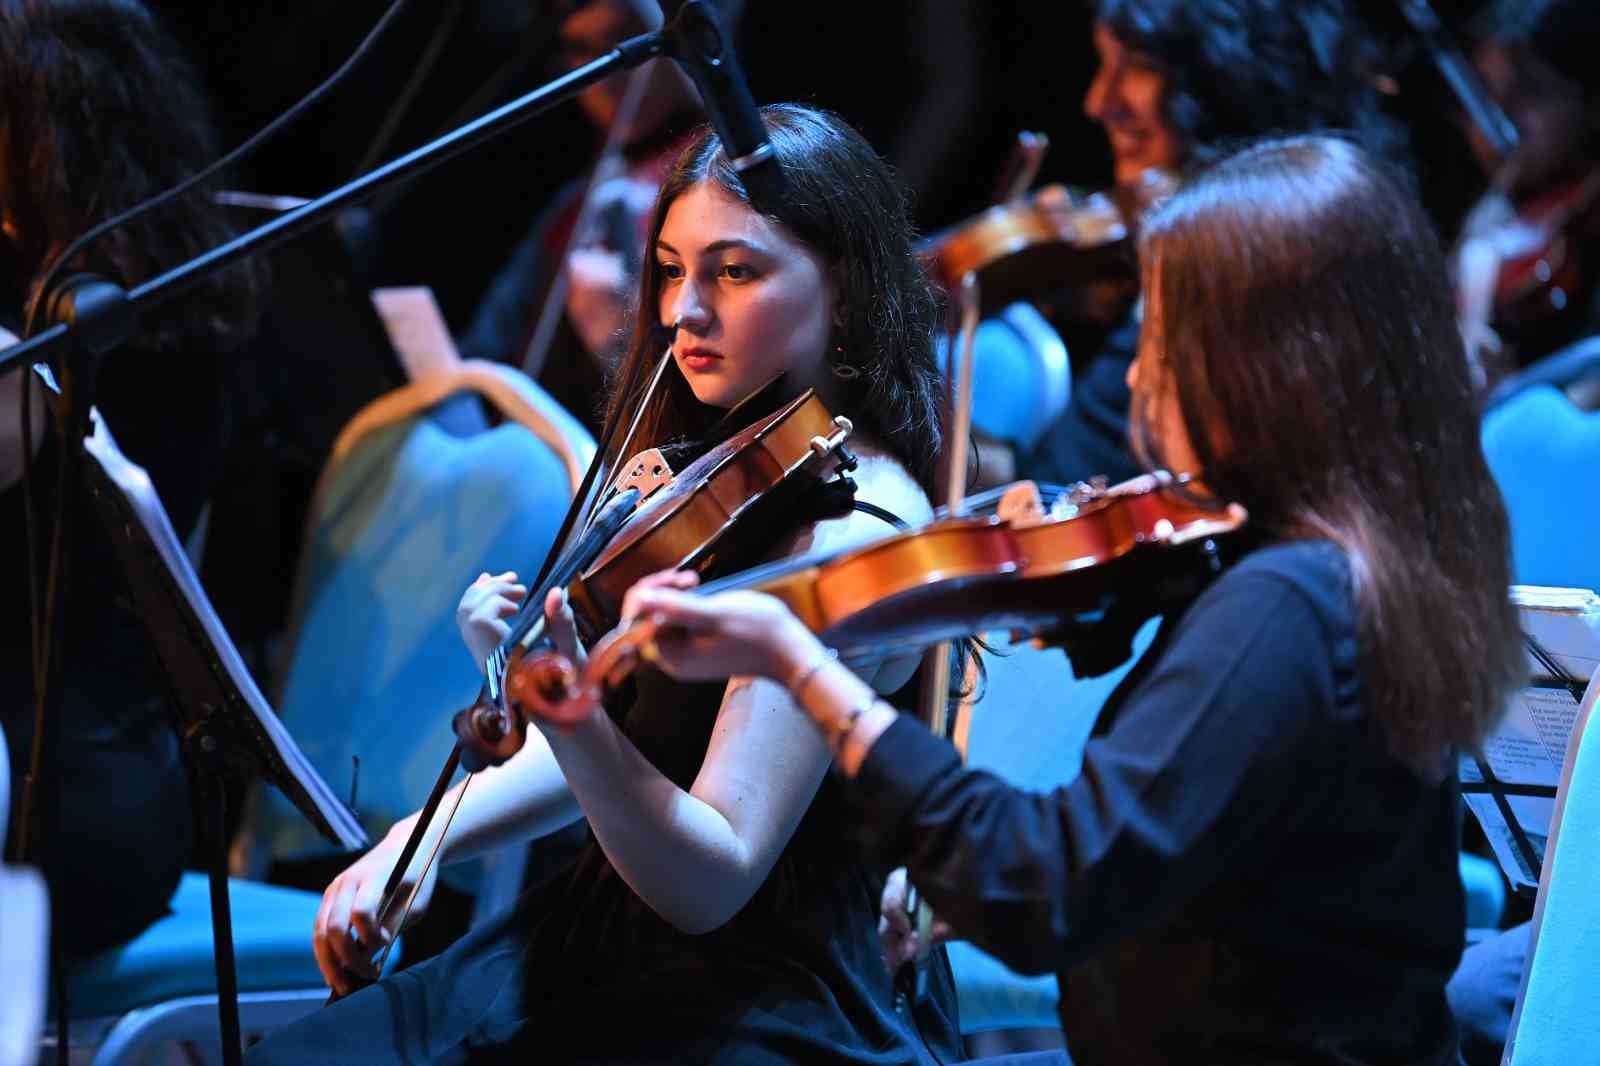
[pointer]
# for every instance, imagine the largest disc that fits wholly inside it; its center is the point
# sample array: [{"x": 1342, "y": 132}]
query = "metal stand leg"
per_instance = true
[{"x": 214, "y": 800}]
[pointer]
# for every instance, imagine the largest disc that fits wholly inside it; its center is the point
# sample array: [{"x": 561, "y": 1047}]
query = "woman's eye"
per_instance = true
[
  {"x": 737, "y": 272},
  {"x": 670, "y": 271}
]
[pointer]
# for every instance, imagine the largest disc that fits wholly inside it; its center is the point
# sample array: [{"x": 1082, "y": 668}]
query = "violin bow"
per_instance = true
[
  {"x": 934, "y": 697},
  {"x": 583, "y": 516},
  {"x": 606, "y": 167},
  {"x": 1491, "y": 120}
]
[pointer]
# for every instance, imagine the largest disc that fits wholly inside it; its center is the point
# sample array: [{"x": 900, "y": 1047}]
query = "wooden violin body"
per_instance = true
[
  {"x": 685, "y": 525},
  {"x": 684, "y": 521},
  {"x": 1075, "y": 251},
  {"x": 1016, "y": 570}
]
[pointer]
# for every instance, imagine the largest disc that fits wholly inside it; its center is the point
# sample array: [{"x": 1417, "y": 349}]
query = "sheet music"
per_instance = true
[
  {"x": 417, "y": 330},
  {"x": 283, "y": 763},
  {"x": 1529, "y": 747}
]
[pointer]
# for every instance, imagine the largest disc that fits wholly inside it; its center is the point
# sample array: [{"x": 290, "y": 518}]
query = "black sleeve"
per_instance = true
[{"x": 1204, "y": 767}]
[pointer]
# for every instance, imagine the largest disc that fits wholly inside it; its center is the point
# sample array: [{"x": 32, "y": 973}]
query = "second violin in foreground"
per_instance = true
[{"x": 1098, "y": 559}]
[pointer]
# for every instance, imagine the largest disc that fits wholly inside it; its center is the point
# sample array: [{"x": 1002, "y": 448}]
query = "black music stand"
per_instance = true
[{"x": 226, "y": 727}]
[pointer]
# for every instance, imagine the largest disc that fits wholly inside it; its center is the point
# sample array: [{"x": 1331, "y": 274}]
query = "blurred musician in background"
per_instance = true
[
  {"x": 556, "y": 307},
  {"x": 1177, "y": 81},
  {"x": 98, "y": 111},
  {"x": 1528, "y": 258}
]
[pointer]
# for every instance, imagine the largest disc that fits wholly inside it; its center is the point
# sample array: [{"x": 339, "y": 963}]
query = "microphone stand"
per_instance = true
[{"x": 90, "y": 316}]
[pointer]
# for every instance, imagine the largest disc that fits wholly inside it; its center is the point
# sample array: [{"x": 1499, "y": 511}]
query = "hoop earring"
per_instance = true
[{"x": 841, "y": 369}]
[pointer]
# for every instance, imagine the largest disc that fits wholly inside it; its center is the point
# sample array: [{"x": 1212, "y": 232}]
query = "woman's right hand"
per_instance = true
[
  {"x": 346, "y": 935},
  {"x": 481, "y": 615}
]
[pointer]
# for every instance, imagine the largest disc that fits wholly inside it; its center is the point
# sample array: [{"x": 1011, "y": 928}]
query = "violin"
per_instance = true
[
  {"x": 686, "y": 521},
  {"x": 1056, "y": 574},
  {"x": 1536, "y": 245},
  {"x": 1075, "y": 250},
  {"x": 653, "y": 519}
]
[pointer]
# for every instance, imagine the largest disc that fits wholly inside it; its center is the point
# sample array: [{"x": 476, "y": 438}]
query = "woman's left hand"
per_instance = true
[{"x": 730, "y": 634}]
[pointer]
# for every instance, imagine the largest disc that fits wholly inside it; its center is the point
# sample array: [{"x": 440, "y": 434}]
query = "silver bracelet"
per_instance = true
[
  {"x": 843, "y": 727},
  {"x": 797, "y": 687}
]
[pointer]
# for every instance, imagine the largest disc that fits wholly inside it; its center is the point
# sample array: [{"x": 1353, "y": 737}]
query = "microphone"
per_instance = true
[{"x": 696, "y": 40}]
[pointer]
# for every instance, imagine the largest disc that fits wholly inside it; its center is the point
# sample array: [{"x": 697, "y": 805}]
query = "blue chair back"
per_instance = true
[
  {"x": 1554, "y": 1022},
  {"x": 1544, "y": 453},
  {"x": 1021, "y": 378},
  {"x": 404, "y": 518},
  {"x": 1030, "y": 726}
]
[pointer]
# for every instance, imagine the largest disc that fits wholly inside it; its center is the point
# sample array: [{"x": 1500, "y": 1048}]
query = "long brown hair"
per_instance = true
[
  {"x": 843, "y": 203},
  {"x": 1305, "y": 311}
]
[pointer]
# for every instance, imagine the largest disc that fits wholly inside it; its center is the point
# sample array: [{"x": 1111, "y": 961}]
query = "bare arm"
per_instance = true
[{"x": 697, "y": 856}]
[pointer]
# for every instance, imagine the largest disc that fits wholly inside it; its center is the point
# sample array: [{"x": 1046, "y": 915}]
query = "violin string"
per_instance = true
[
  {"x": 433, "y": 853},
  {"x": 633, "y": 427}
]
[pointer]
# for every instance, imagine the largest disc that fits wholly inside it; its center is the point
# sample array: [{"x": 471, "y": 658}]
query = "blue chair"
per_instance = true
[
  {"x": 1021, "y": 378},
  {"x": 1573, "y": 367},
  {"x": 161, "y": 985},
  {"x": 1034, "y": 744},
  {"x": 406, "y": 514},
  {"x": 1554, "y": 1021},
  {"x": 24, "y": 941},
  {"x": 1544, "y": 451}
]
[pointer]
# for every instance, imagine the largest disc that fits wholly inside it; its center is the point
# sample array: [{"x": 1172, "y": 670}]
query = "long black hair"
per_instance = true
[
  {"x": 842, "y": 202},
  {"x": 99, "y": 110},
  {"x": 1323, "y": 384}
]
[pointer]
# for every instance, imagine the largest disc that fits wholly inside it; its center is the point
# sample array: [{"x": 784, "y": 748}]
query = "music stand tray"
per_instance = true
[{"x": 226, "y": 726}]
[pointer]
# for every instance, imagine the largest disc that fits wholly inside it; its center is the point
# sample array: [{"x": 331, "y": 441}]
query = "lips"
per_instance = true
[{"x": 699, "y": 358}]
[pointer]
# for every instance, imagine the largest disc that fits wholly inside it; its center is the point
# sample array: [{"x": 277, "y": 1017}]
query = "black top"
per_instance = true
[
  {"x": 1090, "y": 437},
  {"x": 582, "y": 970},
  {"x": 1240, "y": 874},
  {"x": 125, "y": 810}
]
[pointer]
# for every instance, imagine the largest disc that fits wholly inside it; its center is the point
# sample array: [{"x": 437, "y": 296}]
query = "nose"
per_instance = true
[
  {"x": 1094, "y": 99},
  {"x": 688, "y": 308}
]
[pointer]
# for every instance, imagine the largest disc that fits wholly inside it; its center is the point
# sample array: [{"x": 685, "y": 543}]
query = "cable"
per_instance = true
[{"x": 94, "y": 232}]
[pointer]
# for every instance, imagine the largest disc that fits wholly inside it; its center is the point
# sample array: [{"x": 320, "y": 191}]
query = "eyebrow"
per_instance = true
[{"x": 717, "y": 246}]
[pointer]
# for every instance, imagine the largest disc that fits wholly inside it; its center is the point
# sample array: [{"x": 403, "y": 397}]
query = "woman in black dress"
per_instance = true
[
  {"x": 712, "y": 916},
  {"x": 1258, "y": 860}
]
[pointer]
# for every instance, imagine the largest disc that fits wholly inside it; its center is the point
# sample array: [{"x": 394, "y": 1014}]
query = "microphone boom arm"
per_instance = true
[{"x": 124, "y": 311}]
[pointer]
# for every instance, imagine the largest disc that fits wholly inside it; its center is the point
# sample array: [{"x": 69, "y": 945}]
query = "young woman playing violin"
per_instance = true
[
  {"x": 712, "y": 915},
  {"x": 1258, "y": 861}
]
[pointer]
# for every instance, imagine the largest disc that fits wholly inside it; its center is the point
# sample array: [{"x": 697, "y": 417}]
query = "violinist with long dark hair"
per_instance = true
[
  {"x": 99, "y": 110},
  {"x": 1258, "y": 861},
  {"x": 1178, "y": 82},
  {"x": 712, "y": 915}
]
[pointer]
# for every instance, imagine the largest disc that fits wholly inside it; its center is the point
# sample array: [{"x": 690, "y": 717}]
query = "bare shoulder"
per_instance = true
[{"x": 880, "y": 480}]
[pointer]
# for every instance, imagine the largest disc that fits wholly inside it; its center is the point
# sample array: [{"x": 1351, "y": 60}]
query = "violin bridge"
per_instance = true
[{"x": 647, "y": 472}]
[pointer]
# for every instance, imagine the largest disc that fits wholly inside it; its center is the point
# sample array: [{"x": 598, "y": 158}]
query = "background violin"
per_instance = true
[{"x": 1072, "y": 251}]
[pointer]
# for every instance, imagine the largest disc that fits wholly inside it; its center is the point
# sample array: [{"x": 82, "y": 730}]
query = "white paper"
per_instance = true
[
  {"x": 140, "y": 495},
  {"x": 417, "y": 329},
  {"x": 1529, "y": 746}
]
